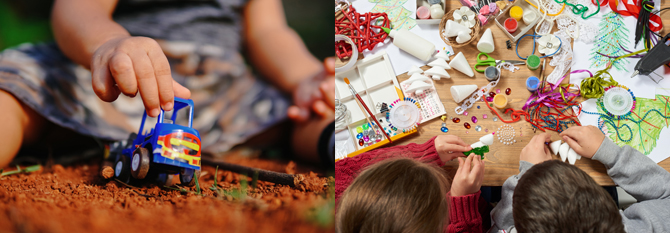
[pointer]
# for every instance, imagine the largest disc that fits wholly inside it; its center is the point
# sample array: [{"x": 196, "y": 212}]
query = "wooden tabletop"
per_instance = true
[{"x": 503, "y": 160}]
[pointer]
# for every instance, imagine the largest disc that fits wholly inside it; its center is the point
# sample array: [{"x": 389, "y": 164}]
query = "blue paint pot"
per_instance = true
[{"x": 532, "y": 83}]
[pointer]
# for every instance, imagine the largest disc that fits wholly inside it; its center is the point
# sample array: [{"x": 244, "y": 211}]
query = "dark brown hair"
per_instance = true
[
  {"x": 554, "y": 196},
  {"x": 395, "y": 195}
]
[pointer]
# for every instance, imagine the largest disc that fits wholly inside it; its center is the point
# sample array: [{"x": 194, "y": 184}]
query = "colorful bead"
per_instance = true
[
  {"x": 478, "y": 107},
  {"x": 485, "y": 116},
  {"x": 366, "y": 126},
  {"x": 359, "y": 129},
  {"x": 366, "y": 138},
  {"x": 359, "y": 136},
  {"x": 497, "y": 90},
  {"x": 456, "y": 120},
  {"x": 444, "y": 129},
  {"x": 465, "y": 113},
  {"x": 467, "y": 125},
  {"x": 489, "y": 99},
  {"x": 474, "y": 119},
  {"x": 495, "y": 118},
  {"x": 508, "y": 91},
  {"x": 378, "y": 138},
  {"x": 361, "y": 142},
  {"x": 443, "y": 118},
  {"x": 486, "y": 130},
  {"x": 478, "y": 128},
  {"x": 491, "y": 94},
  {"x": 444, "y": 124}
]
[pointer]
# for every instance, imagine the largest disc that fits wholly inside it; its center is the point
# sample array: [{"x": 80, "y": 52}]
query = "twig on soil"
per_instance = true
[
  {"x": 32, "y": 168},
  {"x": 259, "y": 174}
]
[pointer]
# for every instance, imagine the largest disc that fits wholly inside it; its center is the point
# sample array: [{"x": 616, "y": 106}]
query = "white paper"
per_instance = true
[
  {"x": 401, "y": 60},
  {"x": 641, "y": 86}
]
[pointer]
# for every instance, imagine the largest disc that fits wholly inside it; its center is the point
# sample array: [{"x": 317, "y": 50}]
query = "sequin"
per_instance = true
[
  {"x": 359, "y": 136},
  {"x": 474, "y": 119},
  {"x": 478, "y": 128},
  {"x": 361, "y": 142},
  {"x": 485, "y": 116},
  {"x": 444, "y": 129},
  {"x": 508, "y": 91},
  {"x": 456, "y": 120},
  {"x": 467, "y": 125}
]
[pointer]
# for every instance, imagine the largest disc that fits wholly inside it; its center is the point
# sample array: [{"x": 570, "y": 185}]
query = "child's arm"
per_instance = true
[
  {"x": 85, "y": 32},
  {"x": 533, "y": 153},
  {"x": 630, "y": 169},
  {"x": 463, "y": 198}
]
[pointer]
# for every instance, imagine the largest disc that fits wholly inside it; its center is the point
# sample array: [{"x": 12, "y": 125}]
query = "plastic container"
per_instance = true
[
  {"x": 423, "y": 12},
  {"x": 516, "y": 12},
  {"x": 492, "y": 73},
  {"x": 500, "y": 101},
  {"x": 533, "y": 62},
  {"x": 411, "y": 43},
  {"x": 529, "y": 17},
  {"x": 532, "y": 83},
  {"x": 511, "y": 25}
]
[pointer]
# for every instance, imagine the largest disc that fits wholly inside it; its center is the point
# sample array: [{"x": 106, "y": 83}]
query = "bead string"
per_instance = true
[{"x": 604, "y": 118}]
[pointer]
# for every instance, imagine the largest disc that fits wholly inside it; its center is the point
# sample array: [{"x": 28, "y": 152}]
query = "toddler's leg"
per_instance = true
[{"x": 19, "y": 124}]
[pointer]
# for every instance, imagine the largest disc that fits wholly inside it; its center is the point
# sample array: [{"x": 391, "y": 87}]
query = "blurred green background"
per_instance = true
[{"x": 28, "y": 21}]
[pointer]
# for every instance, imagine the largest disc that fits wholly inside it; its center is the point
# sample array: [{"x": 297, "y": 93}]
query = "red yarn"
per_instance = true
[{"x": 361, "y": 28}]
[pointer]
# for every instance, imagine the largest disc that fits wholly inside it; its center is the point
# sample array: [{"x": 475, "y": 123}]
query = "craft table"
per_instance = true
[{"x": 503, "y": 160}]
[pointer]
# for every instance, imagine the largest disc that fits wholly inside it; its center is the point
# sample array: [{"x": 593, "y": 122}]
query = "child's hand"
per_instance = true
[
  {"x": 585, "y": 140},
  {"x": 468, "y": 181},
  {"x": 536, "y": 151},
  {"x": 450, "y": 147},
  {"x": 317, "y": 94},
  {"x": 128, "y": 64}
]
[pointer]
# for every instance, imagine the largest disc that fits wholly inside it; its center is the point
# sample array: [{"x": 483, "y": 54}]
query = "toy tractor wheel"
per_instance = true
[
  {"x": 187, "y": 176},
  {"x": 139, "y": 166},
  {"x": 122, "y": 169}
]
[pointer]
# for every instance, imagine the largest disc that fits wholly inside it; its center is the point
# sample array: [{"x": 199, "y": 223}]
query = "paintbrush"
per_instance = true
[{"x": 360, "y": 101}]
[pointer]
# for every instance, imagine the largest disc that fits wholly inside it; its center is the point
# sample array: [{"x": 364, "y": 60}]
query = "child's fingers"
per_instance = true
[
  {"x": 459, "y": 170},
  {"x": 146, "y": 81},
  {"x": 468, "y": 164},
  {"x": 572, "y": 132},
  {"x": 322, "y": 109},
  {"x": 457, "y": 143},
  {"x": 327, "y": 89},
  {"x": 121, "y": 68},
  {"x": 297, "y": 114},
  {"x": 329, "y": 65},
  {"x": 103, "y": 82},
  {"x": 161, "y": 68},
  {"x": 573, "y": 144},
  {"x": 477, "y": 167}
]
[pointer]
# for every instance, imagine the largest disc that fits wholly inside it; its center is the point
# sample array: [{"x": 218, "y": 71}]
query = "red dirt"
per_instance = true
[{"x": 76, "y": 199}]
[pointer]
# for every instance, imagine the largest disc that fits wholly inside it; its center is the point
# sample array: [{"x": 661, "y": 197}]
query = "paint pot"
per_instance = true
[
  {"x": 516, "y": 12},
  {"x": 529, "y": 17},
  {"x": 511, "y": 25},
  {"x": 492, "y": 73},
  {"x": 500, "y": 101},
  {"x": 532, "y": 83},
  {"x": 423, "y": 12},
  {"x": 533, "y": 62}
]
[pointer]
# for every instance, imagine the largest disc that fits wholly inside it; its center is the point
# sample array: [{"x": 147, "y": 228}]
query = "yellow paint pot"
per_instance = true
[
  {"x": 516, "y": 12},
  {"x": 500, "y": 101}
]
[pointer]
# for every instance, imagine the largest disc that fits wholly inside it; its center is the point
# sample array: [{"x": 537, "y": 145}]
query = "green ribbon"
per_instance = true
[{"x": 593, "y": 87}]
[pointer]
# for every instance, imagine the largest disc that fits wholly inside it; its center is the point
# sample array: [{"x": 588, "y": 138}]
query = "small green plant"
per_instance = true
[
  {"x": 323, "y": 214},
  {"x": 32, "y": 168},
  {"x": 215, "y": 187}
]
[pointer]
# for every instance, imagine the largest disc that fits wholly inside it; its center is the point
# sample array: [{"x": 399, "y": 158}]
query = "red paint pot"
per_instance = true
[{"x": 511, "y": 25}]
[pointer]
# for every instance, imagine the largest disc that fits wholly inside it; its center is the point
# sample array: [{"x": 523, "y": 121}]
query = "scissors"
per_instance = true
[{"x": 492, "y": 62}]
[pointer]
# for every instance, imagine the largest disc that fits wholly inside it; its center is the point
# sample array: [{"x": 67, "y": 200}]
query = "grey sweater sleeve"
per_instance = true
[
  {"x": 501, "y": 215},
  {"x": 644, "y": 180},
  {"x": 634, "y": 172}
]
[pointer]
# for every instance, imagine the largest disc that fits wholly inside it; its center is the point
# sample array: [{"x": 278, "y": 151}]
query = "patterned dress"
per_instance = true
[{"x": 202, "y": 40}]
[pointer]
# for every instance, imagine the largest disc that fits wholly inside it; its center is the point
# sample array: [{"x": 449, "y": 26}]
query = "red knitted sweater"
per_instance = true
[{"x": 463, "y": 210}]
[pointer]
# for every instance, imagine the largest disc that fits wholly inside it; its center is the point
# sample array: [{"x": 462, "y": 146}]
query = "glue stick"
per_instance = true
[{"x": 411, "y": 43}]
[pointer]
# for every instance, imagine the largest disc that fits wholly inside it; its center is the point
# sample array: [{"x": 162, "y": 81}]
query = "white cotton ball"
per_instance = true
[{"x": 563, "y": 151}]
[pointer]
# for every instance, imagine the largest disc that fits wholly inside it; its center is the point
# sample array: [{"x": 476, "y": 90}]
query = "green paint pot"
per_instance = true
[{"x": 533, "y": 62}]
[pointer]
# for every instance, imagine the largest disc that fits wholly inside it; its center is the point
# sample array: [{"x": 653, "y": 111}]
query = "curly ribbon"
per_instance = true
[
  {"x": 634, "y": 10},
  {"x": 593, "y": 87}
]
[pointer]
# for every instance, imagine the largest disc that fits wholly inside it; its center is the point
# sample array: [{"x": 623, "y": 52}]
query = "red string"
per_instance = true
[
  {"x": 362, "y": 29},
  {"x": 634, "y": 10}
]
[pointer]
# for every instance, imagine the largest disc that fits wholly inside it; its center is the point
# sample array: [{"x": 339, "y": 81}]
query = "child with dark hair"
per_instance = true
[
  {"x": 403, "y": 189},
  {"x": 551, "y": 196}
]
